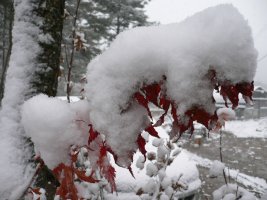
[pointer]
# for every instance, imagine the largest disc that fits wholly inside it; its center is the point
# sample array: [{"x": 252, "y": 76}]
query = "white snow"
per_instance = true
[
  {"x": 157, "y": 142},
  {"x": 140, "y": 163},
  {"x": 226, "y": 113},
  {"x": 54, "y": 125},
  {"x": 151, "y": 169},
  {"x": 232, "y": 192},
  {"x": 248, "y": 128},
  {"x": 182, "y": 52},
  {"x": 14, "y": 169},
  {"x": 182, "y": 169},
  {"x": 258, "y": 184},
  {"x": 216, "y": 169}
]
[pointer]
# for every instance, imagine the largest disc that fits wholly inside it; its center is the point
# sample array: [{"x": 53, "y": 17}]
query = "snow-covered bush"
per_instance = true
[
  {"x": 176, "y": 67},
  {"x": 161, "y": 185}
]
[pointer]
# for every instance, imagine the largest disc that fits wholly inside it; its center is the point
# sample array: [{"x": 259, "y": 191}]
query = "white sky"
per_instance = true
[{"x": 255, "y": 11}]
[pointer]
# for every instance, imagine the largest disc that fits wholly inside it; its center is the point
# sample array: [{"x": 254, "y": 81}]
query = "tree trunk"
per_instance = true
[
  {"x": 118, "y": 26},
  {"x": 7, "y": 42},
  {"x": 46, "y": 75}
]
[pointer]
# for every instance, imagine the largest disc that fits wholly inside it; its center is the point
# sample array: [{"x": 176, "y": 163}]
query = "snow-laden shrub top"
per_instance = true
[{"x": 216, "y": 40}]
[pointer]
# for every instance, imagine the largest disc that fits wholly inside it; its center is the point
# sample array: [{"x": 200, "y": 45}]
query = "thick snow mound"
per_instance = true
[
  {"x": 217, "y": 38},
  {"x": 54, "y": 125}
]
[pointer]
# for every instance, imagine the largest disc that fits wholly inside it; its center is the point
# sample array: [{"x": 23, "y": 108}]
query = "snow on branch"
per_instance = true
[
  {"x": 176, "y": 67},
  {"x": 15, "y": 153},
  {"x": 211, "y": 48}
]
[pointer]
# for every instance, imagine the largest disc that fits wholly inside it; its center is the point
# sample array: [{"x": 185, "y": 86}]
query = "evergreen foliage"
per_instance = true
[{"x": 99, "y": 21}]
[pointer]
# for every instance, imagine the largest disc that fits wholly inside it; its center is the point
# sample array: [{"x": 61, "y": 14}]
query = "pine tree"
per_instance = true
[
  {"x": 124, "y": 14},
  {"x": 93, "y": 26},
  {"x": 100, "y": 21}
]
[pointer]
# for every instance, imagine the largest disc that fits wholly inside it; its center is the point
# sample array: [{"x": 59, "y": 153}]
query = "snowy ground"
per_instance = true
[
  {"x": 245, "y": 159},
  {"x": 244, "y": 153},
  {"x": 248, "y": 128}
]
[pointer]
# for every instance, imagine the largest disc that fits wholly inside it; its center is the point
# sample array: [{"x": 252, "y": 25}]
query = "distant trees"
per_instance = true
[
  {"x": 124, "y": 14},
  {"x": 46, "y": 75},
  {"x": 99, "y": 21}
]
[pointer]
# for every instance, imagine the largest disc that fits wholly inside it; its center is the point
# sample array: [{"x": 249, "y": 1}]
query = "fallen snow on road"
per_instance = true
[
  {"x": 258, "y": 184},
  {"x": 248, "y": 128}
]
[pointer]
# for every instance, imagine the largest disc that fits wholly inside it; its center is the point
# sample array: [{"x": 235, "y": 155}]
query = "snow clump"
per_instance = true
[
  {"x": 216, "y": 169},
  {"x": 182, "y": 52},
  {"x": 54, "y": 125}
]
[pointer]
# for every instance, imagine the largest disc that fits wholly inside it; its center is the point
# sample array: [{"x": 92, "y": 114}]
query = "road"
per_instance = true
[{"x": 248, "y": 155}]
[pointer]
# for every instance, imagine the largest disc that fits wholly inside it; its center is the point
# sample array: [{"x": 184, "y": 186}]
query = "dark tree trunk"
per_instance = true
[
  {"x": 118, "y": 24},
  {"x": 47, "y": 71},
  {"x": 7, "y": 23}
]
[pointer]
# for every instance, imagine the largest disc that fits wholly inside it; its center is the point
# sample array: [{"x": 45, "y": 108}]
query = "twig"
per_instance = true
[
  {"x": 229, "y": 177},
  {"x": 72, "y": 49},
  {"x": 221, "y": 157},
  {"x": 236, "y": 192}
]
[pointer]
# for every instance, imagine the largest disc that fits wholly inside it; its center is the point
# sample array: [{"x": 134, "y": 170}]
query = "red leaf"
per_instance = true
[
  {"x": 92, "y": 134},
  {"x": 142, "y": 101},
  {"x": 141, "y": 145},
  {"x": 160, "y": 121},
  {"x": 105, "y": 168},
  {"x": 67, "y": 189},
  {"x": 131, "y": 171},
  {"x": 152, "y": 93},
  {"x": 165, "y": 104},
  {"x": 103, "y": 153},
  {"x": 151, "y": 130},
  {"x": 110, "y": 174},
  {"x": 230, "y": 91},
  {"x": 246, "y": 89},
  {"x": 74, "y": 157},
  {"x": 81, "y": 175},
  {"x": 58, "y": 170},
  {"x": 174, "y": 112}
]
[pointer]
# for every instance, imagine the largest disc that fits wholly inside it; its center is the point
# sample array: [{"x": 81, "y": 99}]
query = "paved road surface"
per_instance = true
[{"x": 248, "y": 155}]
